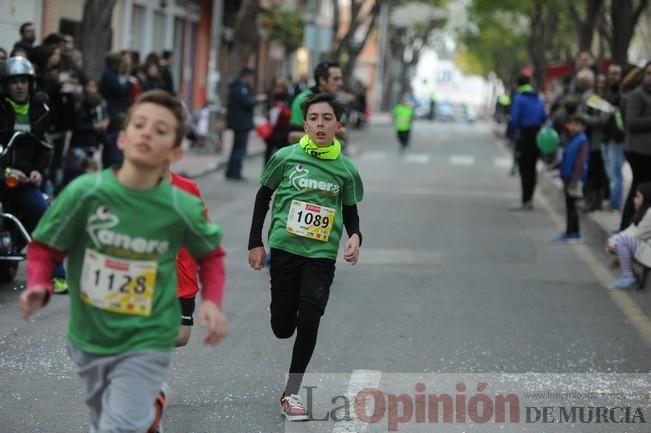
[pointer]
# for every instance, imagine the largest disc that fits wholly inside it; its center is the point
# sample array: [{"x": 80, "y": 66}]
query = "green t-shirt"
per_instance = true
[
  {"x": 296, "y": 118},
  {"x": 122, "y": 245},
  {"x": 402, "y": 117},
  {"x": 295, "y": 175}
]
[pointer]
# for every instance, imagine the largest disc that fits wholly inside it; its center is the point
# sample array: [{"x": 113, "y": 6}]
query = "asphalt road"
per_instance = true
[{"x": 449, "y": 281}]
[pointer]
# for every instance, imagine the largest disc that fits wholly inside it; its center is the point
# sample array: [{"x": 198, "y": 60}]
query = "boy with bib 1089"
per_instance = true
[
  {"x": 316, "y": 194},
  {"x": 121, "y": 229}
]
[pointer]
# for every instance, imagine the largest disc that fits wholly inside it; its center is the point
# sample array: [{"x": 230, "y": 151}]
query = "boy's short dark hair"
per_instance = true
[
  {"x": 322, "y": 70},
  {"x": 579, "y": 118},
  {"x": 329, "y": 99},
  {"x": 166, "y": 100}
]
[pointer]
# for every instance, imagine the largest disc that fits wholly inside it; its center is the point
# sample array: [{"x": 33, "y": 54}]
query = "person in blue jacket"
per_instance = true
[
  {"x": 527, "y": 117},
  {"x": 574, "y": 170},
  {"x": 239, "y": 118}
]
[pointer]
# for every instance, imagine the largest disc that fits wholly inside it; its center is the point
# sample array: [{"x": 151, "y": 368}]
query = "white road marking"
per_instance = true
[
  {"x": 502, "y": 162},
  {"x": 417, "y": 158},
  {"x": 462, "y": 160},
  {"x": 373, "y": 155},
  {"x": 359, "y": 380}
]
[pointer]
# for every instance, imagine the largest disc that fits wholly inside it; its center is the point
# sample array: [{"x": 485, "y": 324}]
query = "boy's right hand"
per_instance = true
[
  {"x": 256, "y": 258},
  {"x": 31, "y": 300}
]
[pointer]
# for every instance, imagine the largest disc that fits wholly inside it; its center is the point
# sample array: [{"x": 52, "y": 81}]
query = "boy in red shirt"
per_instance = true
[{"x": 186, "y": 268}]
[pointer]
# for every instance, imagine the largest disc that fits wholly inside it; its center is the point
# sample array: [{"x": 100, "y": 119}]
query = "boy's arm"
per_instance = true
[
  {"x": 351, "y": 221},
  {"x": 260, "y": 209},
  {"x": 41, "y": 261},
  {"x": 212, "y": 274},
  {"x": 577, "y": 172}
]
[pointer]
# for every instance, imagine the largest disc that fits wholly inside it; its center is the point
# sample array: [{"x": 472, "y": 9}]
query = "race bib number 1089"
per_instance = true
[{"x": 310, "y": 221}]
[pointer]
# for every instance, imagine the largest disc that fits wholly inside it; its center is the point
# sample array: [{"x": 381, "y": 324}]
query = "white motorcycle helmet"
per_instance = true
[{"x": 17, "y": 67}]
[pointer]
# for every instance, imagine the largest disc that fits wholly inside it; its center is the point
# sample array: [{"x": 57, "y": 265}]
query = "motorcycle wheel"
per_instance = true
[{"x": 8, "y": 272}]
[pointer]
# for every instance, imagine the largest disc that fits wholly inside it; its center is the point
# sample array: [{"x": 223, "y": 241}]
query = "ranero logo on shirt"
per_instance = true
[
  {"x": 299, "y": 179},
  {"x": 99, "y": 228}
]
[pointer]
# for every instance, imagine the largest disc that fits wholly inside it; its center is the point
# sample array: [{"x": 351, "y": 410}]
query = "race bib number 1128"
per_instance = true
[{"x": 118, "y": 285}]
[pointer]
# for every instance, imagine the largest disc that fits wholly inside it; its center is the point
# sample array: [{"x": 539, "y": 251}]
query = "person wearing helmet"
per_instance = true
[{"x": 21, "y": 109}]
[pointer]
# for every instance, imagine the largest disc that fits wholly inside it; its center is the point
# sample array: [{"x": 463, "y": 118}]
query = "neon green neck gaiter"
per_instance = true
[
  {"x": 329, "y": 152},
  {"x": 21, "y": 109}
]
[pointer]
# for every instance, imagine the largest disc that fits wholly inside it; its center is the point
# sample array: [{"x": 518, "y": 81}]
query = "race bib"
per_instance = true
[
  {"x": 310, "y": 221},
  {"x": 118, "y": 285}
]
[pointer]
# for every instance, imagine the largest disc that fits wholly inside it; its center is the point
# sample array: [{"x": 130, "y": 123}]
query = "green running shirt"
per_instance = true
[
  {"x": 297, "y": 176},
  {"x": 122, "y": 245},
  {"x": 296, "y": 118},
  {"x": 403, "y": 115}
]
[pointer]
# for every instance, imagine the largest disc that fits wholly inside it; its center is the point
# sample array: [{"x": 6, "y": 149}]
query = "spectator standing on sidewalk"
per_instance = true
[
  {"x": 574, "y": 169},
  {"x": 239, "y": 117},
  {"x": 527, "y": 116},
  {"x": 597, "y": 112},
  {"x": 638, "y": 140},
  {"x": 166, "y": 70},
  {"x": 115, "y": 86},
  {"x": 27, "y": 37},
  {"x": 612, "y": 148}
]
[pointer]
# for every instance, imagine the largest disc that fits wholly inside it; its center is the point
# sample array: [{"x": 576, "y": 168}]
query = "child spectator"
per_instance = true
[
  {"x": 634, "y": 242},
  {"x": 574, "y": 169}
]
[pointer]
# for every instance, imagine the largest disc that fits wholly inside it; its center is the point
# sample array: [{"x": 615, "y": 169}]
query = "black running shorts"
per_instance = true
[{"x": 296, "y": 279}]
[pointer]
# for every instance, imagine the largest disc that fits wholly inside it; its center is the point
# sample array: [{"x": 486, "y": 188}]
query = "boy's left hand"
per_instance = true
[
  {"x": 351, "y": 252},
  {"x": 211, "y": 316}
]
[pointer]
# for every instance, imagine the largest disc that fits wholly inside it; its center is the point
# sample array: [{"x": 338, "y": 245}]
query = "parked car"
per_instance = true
[{"x": 445, "y": 111}]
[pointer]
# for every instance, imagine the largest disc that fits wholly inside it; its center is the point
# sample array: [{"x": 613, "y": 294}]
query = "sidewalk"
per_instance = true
[{"x": 198, "y": 163}]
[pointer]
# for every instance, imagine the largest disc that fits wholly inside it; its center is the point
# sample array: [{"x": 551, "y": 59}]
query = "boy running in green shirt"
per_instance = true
[
  {"x": 403, "y": 116},
  {"x": 316, "y": 194},
  {"x": 121, "y": 230}
]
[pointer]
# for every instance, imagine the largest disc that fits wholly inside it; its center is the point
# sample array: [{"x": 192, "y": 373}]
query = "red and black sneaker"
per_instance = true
[
  {"x": 161, "y": 402},
  {"x": 292, "y": 407}
]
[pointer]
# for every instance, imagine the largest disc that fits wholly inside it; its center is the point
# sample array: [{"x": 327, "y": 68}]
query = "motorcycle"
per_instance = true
[{"x": 13, "y": 234}]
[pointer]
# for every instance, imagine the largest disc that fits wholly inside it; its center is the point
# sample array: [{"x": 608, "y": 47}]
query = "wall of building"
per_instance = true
[{"x": 12, "y": 14}]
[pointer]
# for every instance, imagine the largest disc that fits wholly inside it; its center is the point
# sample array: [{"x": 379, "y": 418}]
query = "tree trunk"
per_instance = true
[
  {"x": 246, "y": 41},
  {"x": 353, "y": 52},
  {"x": 586, "y": 27},
  {"x": 537, "y": 41},
  {"x": 624, "y": 17},
  {"x": 95, "y": 36}
]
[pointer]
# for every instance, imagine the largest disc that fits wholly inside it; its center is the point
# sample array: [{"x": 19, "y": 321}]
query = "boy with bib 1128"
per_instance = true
[{"x": 121, "y": 229}]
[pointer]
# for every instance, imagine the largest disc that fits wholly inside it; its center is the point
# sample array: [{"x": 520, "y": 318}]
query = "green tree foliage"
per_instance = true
[
  {"x": 284, "y": 26},
  {"x": 508, "y": 34},
  {"x": 493, "y": 46}
]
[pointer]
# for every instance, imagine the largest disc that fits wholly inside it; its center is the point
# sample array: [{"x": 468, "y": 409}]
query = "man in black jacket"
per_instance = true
[
  {"x": 22, "y": 110},
  {"x": 239, "y": 118}
]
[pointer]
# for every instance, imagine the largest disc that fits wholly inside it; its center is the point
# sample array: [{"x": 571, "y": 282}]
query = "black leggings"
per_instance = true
[
  {"x": 306, "y": 324},
  {"x": 528, "y": 155}
]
